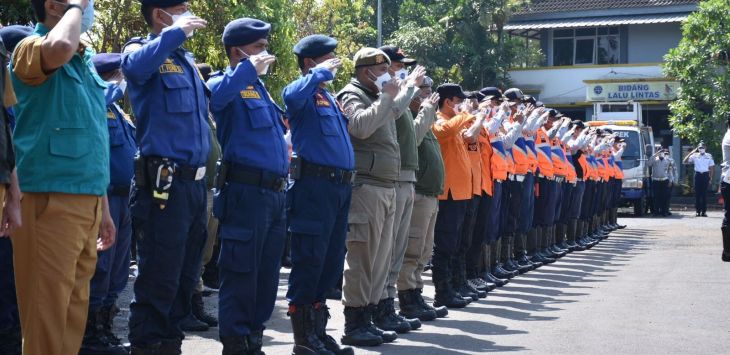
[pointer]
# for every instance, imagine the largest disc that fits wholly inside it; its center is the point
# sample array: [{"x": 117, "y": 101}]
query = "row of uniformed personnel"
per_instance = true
[{"x": 376, "y": 172}]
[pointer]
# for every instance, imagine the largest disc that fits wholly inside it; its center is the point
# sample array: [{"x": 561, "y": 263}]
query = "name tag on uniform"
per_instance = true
[
  {"x": 250, "y": 93},
  {"x": 322, "y": 101},
  {"x": 170, "y": 67}
]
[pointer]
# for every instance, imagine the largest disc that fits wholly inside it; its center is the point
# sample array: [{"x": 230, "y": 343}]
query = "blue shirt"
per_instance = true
[
  {"x": 122, "y": 145},
  {"x": 319, "y": 129},
  {"x": 169, "y": 99},
  {"x": 250, "y": 126}
]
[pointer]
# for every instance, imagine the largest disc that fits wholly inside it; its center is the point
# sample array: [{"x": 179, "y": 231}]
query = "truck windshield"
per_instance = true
[{"x": 632, "y": 152}]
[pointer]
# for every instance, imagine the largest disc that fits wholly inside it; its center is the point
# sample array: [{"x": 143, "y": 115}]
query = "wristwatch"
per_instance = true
[{"x": 71, "y": 6}]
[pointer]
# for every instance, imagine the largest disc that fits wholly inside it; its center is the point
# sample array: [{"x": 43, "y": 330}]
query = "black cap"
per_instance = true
[
  {"x": 474, "y": 95},
  {"x": 447, "y": 91},
  {"x": 12, "y": 35},
  {"x": 578, "y": 124},
  {"x": 608, "y": 130},
  {"x": 396, "y": 55},
  {"x": 243, "y": 31},
  {"x": 491, "y": 93},
  {"x": 529, "y": 100},
  {"x": 513, "y": 94},
  {"x": 315, "y": 46},
  {"x": 427, "y": 82},
  {"x": 553, "y": 113}
]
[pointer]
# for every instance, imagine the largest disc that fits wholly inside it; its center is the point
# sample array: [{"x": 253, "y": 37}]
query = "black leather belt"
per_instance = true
[
  {"x": 118, "y": 190},
  {"x": 256, "y": 177},
  {"x": 333, "y": 174},
  {"x": 188, "y": 172}
]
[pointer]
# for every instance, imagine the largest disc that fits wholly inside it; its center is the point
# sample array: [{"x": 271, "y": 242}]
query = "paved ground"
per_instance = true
[{"x": 657, "y": 286}]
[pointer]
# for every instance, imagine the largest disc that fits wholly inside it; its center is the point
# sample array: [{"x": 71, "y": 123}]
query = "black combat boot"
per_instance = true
[
  {"x": 725, "y": 243},
  {"x": 357, "y": 333},
  {"x": 411, "y": 308},
  {"x": 561, "y": 238},
  {"x": 571, "y": 232},
  {"x": 446, "y": 296},
  {"x": 107, "y": 314},
  {"x": 303, "y": 324},
  {"x": 554, "y": 243},
  {"x": 489, "y": 265},
  {"x": 171, "y": 347},
  {"x": 521, "y": 252},
  {"x": 154, "y": 349},
  {"x": 497, "y": 254},
  {"x": 321, "y": 317},
  {"x": 256, "y": 342},
  {"x": 511, "y": 262},
  {"x": 440, "y": 311},
  {"x": 192, "y": 324},
  {"x": 615, "y": 219},
  {"x": 95, "y": 342},
  {"x": 198, "y": 308},
  {"x": 459, "y": 283},
  {"x": 387, "y": 335},
  {"x": 386, "y": 319},
  {"x": 11, "y": 341}
]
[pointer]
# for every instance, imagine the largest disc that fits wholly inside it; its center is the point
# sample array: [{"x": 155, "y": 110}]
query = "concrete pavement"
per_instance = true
[{"x": 657, "y": 286}]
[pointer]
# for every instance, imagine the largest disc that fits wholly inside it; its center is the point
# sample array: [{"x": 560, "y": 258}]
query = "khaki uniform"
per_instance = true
[{"x": 373, "y": 207}]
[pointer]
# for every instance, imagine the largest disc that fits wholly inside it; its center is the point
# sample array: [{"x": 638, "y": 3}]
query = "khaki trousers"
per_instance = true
[
  {"x": 420, "y": 242},
  {"x": 54, "y": 259},
  {"x": 405, "y": 193},
  {"x": 369, "y": 245},
  {"x": 209, "y": 241}
]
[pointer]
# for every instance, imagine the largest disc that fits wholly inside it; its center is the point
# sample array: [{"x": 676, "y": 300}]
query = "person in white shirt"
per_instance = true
[{"x": 704, "y": 167}]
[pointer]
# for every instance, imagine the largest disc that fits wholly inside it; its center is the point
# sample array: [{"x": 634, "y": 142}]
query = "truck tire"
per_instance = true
[{"x": 639, "y": 207}]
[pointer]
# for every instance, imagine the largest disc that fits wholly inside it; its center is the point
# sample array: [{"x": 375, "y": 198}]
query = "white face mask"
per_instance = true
[
  {"x": 175, "y": 18},
  {"x": 265, "y": 70},
  {"x": 381, "y": 80},
  {"x": 401, "y": 74}
]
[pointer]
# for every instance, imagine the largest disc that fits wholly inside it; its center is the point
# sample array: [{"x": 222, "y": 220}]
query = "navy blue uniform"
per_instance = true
[
  {"x": 317, "y": 206},
  {"x": 112, "y": 265},
  {"x": 252, "y": 216},
  {"x": 171, "y": 108}
]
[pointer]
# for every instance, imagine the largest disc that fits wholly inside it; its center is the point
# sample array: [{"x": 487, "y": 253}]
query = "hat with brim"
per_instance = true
[
  {"x": 447, "y": 91},
  {"x": 368, "y": 56},
  {"x": 396, "y": 55}
]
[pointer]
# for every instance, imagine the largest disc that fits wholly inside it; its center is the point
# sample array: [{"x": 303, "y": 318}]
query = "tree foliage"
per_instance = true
[
  {"x": 458, "y": 40},
  {"x": 700, "y": 63}
]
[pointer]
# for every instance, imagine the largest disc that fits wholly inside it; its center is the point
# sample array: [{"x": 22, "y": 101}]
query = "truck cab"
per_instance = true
[{"x": 624, "y": 119}]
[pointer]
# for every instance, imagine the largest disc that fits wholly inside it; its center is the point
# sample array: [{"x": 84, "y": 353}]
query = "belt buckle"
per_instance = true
[
  {"x": 353, "y": 174},
  {"x": 200, "y": 173}
]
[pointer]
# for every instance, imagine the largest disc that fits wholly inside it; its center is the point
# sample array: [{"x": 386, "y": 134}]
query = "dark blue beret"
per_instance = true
[
  {"x": 12, "y": 35},
  {"x": 106, "y": 62},
  {"x": 162, "y": 3},
  {"x": 315, "y": 46},
  {"x": 243, "y": 31}
]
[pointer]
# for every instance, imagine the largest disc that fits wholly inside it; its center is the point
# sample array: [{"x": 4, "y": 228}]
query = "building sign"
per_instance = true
[{"x": 634, "y": 91}]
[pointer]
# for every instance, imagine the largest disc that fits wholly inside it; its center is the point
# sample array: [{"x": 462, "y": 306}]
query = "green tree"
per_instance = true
[
  {"x": 700, "y": 64},
  {"x": 13, "y": 12}
]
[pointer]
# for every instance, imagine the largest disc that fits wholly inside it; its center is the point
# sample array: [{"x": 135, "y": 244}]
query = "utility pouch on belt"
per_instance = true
[
  {"x": 162, "y": 171},
  {"x": 221, "y": 175},
  {"x": 295, "y": 168},
  {"x": 140, "y": 171}
]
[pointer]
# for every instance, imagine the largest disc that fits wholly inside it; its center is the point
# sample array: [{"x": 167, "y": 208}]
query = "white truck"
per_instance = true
[{"x": 625, "y": 119}]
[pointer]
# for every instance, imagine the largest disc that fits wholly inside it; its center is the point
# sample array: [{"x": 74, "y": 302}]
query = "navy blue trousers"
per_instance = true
[
  {"x": 169, "y": 248},
  {"x": 112, "y": 265},
  {"x": 494, "y": 217},
  {"x": 511, "y": 207},
  {"x": 576, "y": 200},
  {"x": 566, "y": 203},
  {"x": 317, "y": 211},
  {"x": 252, "y": 236},
  {"x": 545, "y": 203},
  {"x": 527, "y": 205},
  {"x": 447, "y": 236},
  {"x": 8, "y": 303},
  {"x": 702, "y": 183}
]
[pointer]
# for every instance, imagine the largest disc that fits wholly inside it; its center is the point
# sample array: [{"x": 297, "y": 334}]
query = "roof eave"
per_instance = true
[{"x": 601, "y": 13}]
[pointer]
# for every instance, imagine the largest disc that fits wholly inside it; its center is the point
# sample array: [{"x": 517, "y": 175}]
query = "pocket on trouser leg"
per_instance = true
[
  {"x": 237, "y": 249},
  {"x": 357, "y": 227},
  {"x": 304, "y": 238},
  {"x": 415, "y": 243}
]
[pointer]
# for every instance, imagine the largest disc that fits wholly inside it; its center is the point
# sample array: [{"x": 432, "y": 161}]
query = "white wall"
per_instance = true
[
  {"x": 649, "y": 43},
  {"x": 565, "y": 85}
]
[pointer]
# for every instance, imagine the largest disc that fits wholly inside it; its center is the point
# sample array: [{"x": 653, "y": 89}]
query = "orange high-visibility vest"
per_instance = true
[
  {"x": 457, "y": 179},
  {"x": 559, "y": 162},
  {"x": 485, "y": 147},
  {"x": 531, "y": 153},
  {"x": 499, "y": 160},
  {"x": 475, "y": 158},
  {"x": 571, "y": 175},
  {"x": 544, "y": 154}
]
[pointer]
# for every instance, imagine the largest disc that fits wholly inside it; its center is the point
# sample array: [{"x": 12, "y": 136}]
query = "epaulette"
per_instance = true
[{"x": 133, "y": 44}]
